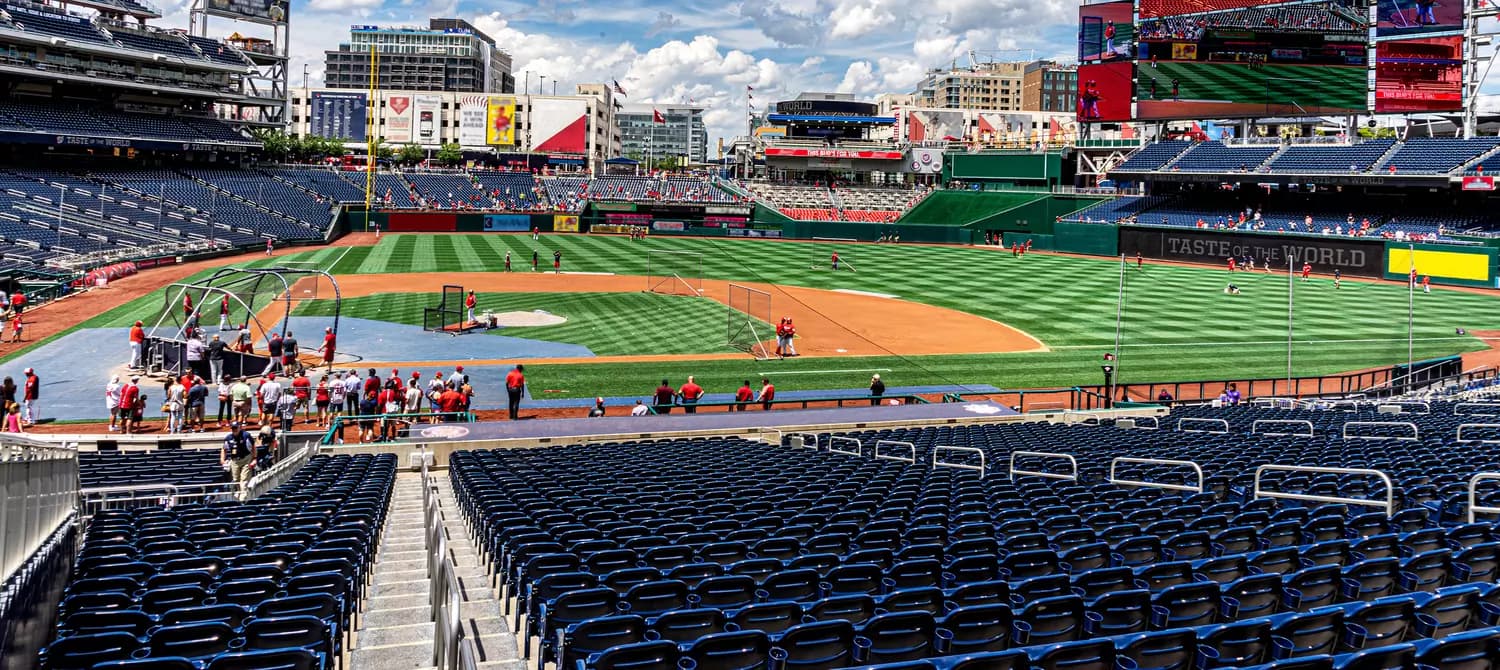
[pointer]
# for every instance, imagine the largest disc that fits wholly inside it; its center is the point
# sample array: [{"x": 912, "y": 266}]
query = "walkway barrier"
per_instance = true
[
  {"x": 1255, "y": 426},
  {"x": 1485, "y": 408},
  {"x": 1138, "y": 422},
  {"x": 404, "y": 421},
  {"x": 38, "y": 495},
  {"x": 278, "y": 474},
  {"x": 1196, "y": 420},
  {"x": 101, "y": 498},
  {"x": 1114, "y": 464},
  {"x": 444, "y": 597},
  {"x": 1274, "y": 402},
  {"x": 1415, "y": 434},
  {"x": 845, "y": 445},
  {"x": 1406, "y": 406},
  {"x": 1072, "y": 462},
  {"x": 937, "y": 454},
  {"x": 1459, "y": 434},
  {"x": 912, "y": 448},
  {"x": 1390, "y": 490},
  {"x": 1474, "y": 507}
]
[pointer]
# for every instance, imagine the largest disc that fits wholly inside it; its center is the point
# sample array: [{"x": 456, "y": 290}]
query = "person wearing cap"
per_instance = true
[
  {"x": 137, "y": 339},
  {"x": 515, "y": 386},
  {"x": 412, "y": 398},
  {"x": 877, "y": 389},
  {"x": 330, "y": 344},
  {"x": 238, "y": 455},
  {"x": 30, "y": 392},
  {"x": 112, "y": 400},
  {"x": 469, "y": 303},
  {"x": 459, "y": 377},
  {"x": 130, "y": 398},
  {"x": 241, "y": 396},
  {"x": 598, "y": 410}
]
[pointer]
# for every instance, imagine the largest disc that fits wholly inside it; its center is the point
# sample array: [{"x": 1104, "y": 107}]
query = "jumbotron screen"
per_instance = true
[{"x": 1205, "y": 59}]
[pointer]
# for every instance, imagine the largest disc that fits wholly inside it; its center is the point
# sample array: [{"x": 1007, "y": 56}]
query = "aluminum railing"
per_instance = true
[
  {"x": 1390, "y": 489},
  {"x": 1073, "y": 462},
  {"x": 937, "y": 462},
  {"x": 1197, "y": 420},
  {"x": 1416, "y": 435},
  {"x": 1459, "y": 434},
  {"x": 278, "y": 474},
  {"x": 444, "y": 596},
  {"x": 98, "y": 499},
  {"x": 1114, "y": 465},
  {"x": 841, "y": 445},
  {"x": 1474, "y": 507},
  {"x": 1256, "y": 424},
  {"x": 895, "y": 443},
  {"x": 38, "y": 495}
]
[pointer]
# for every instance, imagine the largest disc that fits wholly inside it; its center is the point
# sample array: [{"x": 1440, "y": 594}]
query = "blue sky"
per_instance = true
[
  {"x": 680, "y": 50},
  {"x": 676, "y": 51}
]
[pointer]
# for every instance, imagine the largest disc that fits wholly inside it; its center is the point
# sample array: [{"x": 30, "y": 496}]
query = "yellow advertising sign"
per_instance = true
[
  {"x": 565, "y": 223},
  {"x": 500, "y": 121},
  {"x": 1446, "y": 264}
]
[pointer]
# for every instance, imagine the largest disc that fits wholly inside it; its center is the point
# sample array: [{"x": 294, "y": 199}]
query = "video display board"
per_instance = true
[
  {"x": 1423, "y": 74},
  {"x": 1106, "y": 31}
]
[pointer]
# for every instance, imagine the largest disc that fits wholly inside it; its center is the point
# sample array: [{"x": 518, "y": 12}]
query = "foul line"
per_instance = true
[
  {"x": 335, "y": 262},
  {"x": 1279, "y": 342},
  {"x": 821, "y": 372}
]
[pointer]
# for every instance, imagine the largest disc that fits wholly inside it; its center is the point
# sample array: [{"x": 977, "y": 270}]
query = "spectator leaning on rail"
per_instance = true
[{"x": 238, "y": 455}]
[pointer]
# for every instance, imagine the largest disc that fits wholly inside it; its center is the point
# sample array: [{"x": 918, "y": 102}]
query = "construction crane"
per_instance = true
[{"x": 990, "y": 55}]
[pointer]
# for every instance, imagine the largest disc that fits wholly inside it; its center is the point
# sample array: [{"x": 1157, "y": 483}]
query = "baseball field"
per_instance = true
[
  {"x": 918, "y": 315},
  {"x": 1208, "y": 88}
]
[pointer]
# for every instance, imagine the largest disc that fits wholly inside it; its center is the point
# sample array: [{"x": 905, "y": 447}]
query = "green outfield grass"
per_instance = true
[
  {"x": 1177, "y": 323},
  {"x": 609, "y": 324}
]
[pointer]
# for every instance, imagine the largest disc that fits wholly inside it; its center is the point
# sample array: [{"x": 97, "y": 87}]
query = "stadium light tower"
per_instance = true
[{"x": 1479, "y": 57}]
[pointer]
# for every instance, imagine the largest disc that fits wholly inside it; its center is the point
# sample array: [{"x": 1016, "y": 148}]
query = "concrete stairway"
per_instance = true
[{"x": 396, "y": 630}]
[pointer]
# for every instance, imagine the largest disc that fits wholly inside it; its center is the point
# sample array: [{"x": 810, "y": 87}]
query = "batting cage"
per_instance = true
[
  {"x": 449, "y": 315},
  {"x": 674, "y": 272},
  {"x": 749, "y": 321},
  {"x": 242, "y": 306}
]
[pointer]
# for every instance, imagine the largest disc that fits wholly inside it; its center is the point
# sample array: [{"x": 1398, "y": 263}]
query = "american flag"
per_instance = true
[{"x": 618, "y": 89}]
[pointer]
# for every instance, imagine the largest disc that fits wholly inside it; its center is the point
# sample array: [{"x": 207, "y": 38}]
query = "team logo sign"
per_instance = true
[
  {"x": 982, "y": 409},
  {"x": 441, "y": 432}
]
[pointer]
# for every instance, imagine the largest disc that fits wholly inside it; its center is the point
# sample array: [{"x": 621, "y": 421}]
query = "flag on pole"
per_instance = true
[
  {"x": 618, "y": 89},
  {"x": 656, "y": 116}
]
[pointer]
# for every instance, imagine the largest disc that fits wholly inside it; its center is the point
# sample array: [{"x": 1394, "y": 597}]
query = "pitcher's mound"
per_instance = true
[{"x": 533, "y": 318}]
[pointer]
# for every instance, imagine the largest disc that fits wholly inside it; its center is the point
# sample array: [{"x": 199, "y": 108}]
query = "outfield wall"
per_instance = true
[
  {"x": 1355, "y": 257},
  {"x": 1444, "y": 264}
]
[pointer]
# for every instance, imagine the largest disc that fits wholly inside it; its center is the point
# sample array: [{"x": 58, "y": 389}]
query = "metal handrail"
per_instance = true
[
  {"x": 1403, "y": 404},
  {"x": 1459, "y": 434},
  {"x": 94, "y": 500},
  {"x": 339, "y": 422},
  {"x": 1390, "y": 489},
  {"x": 467, "y": 655},
  {"x": 809, "y": 440},
  {"x": 1156, "y": 461},
  {"x": 1274, "y": 401},
  {"x": 896, "y": 443},
  {"x": 1474, "y": 507},
  {"x": 278, "y": 474},
  {"x": 1495, "y": 405},
  {"x": 835, "y": 441},
  {"x": 38, "y": 496},
  {"x": 1037, "y": 473},
  {"x": 1155, "y": 422},
  {"x": 1184, "y": 420},
  {"x": 1416, "y": 435},
  {"x": 1255, "y": 425},
  {"x": 939, "y": 450}
]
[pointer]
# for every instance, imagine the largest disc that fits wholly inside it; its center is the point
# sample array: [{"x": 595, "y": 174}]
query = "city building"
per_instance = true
[
  {"x": 680, "y": 134},
  {"x": 447, "y": 55},
  {"x": 571, "y": 130},
  {"x": 994, "y": 86},
  {"x": 1047, "y": 86}
]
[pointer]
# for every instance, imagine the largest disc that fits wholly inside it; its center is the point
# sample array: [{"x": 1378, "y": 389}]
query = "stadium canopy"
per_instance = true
[{"x": 621, "y": 160}]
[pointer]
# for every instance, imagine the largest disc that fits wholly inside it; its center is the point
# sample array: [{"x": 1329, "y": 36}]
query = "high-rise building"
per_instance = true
[
  {"x": 680, "y": 133},
  {"x": 994, "y": 86},
  {"x": 448, "y": 55},
  {"x": 1047, "y": 86}
]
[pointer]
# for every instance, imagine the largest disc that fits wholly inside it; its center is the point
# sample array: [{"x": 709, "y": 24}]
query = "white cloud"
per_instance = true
[
  {"x": 859, "y": 20},
  {"x": 336, "y": 5}
]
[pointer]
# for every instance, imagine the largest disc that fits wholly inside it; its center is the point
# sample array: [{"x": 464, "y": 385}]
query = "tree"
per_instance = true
[
  {"x": 276, "y": 144},
  {"x": 450, "y": 154},
  {"x": 1377, "y": 133},
  {"x": 411, "y": 154}
]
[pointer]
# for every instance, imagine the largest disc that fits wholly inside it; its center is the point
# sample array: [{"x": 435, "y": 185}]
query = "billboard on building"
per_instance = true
[
  {"x": 559, "y": 125},
  {"x": 1004, "y": 127},
  {"x": 428, "y": 118},
  {"x": 924, "y": 161},
  {"x": 338, "y": 115},
  {"x": 500, "y": 121},
  {"x": 1423, "y": 74},
  {"x": 398, "y": 116},
  {"x": 472, "y": 113},
  {"x": 934, "y": 125},
  {"x": 257, "y": 11}
]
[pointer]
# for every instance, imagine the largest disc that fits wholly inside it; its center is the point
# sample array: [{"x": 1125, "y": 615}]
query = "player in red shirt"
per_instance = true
[
  {"x": 137, "y": 340},
  {"x": 1426, "y": 284},
  {"x": 130, "y": 396},
  {"x": 17, "y": 302},
  {"x": 16, "y": 325},
  {"x": 741, "y": 397},
  {"x": 469, "y": 303},
  {"x": 330, "y": 344},
  {"x": 767, "y": 393},
  {"x": 302, "y": 389},
  {"x": 690, "y": 393},
  {"x": 835, "y": 261},
  {"x": 224, "y": 313},
  {"x": 1306, "y": 270},
  {"x": 1231, "y": 263},
  {"x": 515, "y": 386},
  {"x": 187, "y": 304}
]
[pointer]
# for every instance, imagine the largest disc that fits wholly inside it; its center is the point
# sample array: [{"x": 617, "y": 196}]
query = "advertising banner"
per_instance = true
[
  {"x": 473, "y": 111},
  {"x": 1353, "y": 256},
  {"x": 935, "y": 125},
  {"x": 924, "y": 161},
  {"x": 1419, "y": 75},
  {"x": 1479, "y": 183},
  {"x": 338, "y": 115},
  {"x": 258, "y": 11},
  {"x": 398, "y": 115},
  {"x": 500, "y": 121},
  {"x": 506, "y": 223},
  {"x": 565, "y": 223},
  {"x": 559, "y": 126},
  {"x": 429, "y": 119}
]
